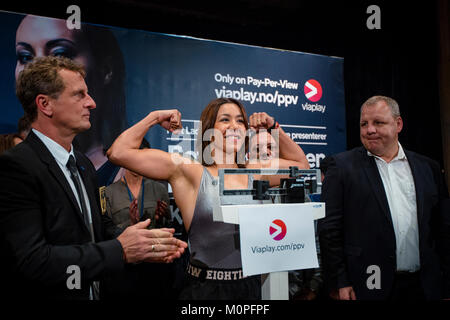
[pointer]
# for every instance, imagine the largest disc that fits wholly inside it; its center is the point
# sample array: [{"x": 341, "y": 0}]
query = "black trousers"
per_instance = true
[
  {"x": 407, "y": 287},
  {"x": 244, "y": 289}
]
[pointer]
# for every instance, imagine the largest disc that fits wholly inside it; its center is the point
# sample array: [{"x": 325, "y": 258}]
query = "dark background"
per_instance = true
[{"x": 400, "y": 60}]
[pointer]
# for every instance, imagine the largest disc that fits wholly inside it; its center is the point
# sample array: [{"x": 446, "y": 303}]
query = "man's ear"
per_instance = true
[
  {"x": 44, "y": 104},
  {"x": 399, "y": 122}
]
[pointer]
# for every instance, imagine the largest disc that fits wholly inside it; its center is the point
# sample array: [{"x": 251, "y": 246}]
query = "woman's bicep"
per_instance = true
[{"x": 152, "y": 163}]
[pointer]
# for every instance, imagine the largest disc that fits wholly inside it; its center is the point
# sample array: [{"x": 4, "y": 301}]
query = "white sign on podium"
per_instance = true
[
  {"x": 276, "y": 238},
  {"x": 275, "y": 285},
  {"x": 265, "y": 219}
]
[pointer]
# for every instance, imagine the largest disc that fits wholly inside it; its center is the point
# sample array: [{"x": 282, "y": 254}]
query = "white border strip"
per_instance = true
[
  {"x": 281, "y": 125},
  {"x": 303, "y": 127},
  {"x": 181, "y": 139},
  {"x": 188, "y": 120},
  {"x": 314, "y": 143}
]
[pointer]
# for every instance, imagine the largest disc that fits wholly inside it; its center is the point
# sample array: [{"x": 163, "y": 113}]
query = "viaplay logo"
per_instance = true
[
  {"x": 277, "y": 229},
  {"x": 313, "y": 90}
]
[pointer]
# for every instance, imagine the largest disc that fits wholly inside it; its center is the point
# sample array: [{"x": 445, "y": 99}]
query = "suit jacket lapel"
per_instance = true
[
  {"x": 44, "y": 154},
  {"x": 374, "y": 178}
]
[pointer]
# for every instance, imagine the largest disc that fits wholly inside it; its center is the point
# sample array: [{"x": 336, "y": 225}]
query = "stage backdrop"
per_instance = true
[{"x": 304, "y": 92}]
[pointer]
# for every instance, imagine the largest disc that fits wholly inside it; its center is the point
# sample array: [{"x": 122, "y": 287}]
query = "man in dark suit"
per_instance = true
[
  {"x": 54, "y": 241},
  {"x": 386, "y": 234}
]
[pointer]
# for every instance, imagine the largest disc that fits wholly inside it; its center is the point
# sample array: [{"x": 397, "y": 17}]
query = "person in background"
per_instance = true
[
  {"x": 262, "y": 146},
  {"x": 332, "y": 292},
  {"x": 324, "y": 164},
  {"x": 8, "y": 141},
  {"x": 135, "y": 198},
  {"x": 386, "y": 233},
  {"x": 23, "y": 127},
  {"x": 308, "y": 284},
  {"x": 128, "y": 201}
]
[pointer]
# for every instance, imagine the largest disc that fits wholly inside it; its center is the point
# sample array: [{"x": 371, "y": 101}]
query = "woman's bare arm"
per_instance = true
[
  {"x": 152, "y": 163},
  {"x": 290, "y": 153},
  {"x": 285, "y": 152}
]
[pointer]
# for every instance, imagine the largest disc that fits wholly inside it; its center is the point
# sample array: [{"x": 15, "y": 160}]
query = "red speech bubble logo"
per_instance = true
[
  {"x": 313, "y": 90},
  {"x": 277, "y": 229}
]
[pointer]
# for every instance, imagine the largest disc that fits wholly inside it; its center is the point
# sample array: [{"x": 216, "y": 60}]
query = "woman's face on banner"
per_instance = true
[{"x": 39, "y": 36}]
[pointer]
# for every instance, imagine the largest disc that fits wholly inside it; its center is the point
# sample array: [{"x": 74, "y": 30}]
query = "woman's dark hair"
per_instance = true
[
  {"x": 106, "y": 84},
  {"x": 23, "y": 127},
  {"x": 7, "y": 141}
]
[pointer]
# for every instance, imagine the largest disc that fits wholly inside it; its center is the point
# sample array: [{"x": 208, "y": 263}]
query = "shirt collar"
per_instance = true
[
  {"x": 58, "y": 152},
  {"x": 400, "y": 155}
]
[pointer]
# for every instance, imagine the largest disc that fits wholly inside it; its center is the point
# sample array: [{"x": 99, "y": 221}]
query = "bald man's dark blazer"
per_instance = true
[
  {"x": 357, "y": 231},
  {"x": 42, "y": 231}
]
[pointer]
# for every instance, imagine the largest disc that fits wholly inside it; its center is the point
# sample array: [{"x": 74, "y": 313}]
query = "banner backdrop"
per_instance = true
[{"x": 130, "y": 73}]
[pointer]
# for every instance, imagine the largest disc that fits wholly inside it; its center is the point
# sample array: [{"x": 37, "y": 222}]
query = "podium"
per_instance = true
[{"x": 274, "y": 285}]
